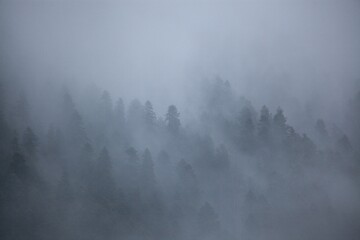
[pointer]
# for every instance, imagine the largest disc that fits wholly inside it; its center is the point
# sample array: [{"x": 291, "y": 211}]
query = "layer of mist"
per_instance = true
[{"x": 181, "y": 120}]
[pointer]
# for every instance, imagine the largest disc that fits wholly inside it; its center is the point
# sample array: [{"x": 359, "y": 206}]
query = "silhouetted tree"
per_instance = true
[
  {"x": 130, "y": 171},
  {"x": 132, "y": 155},
  {"x": 68, "y": 106},
  {"x": 106, "y": 103},
  {"x": 264, "y": 125},
  {"x": 148, "y": 174},
  {"x": 150, "y": 116},
  {"x": 75, "y": 131},
  {"x": 344, "y": 144},
  {"x": 119, "y": 114},
  {"x": 280, "y": 120},
  {"x": 321, "y": 129},
  {"x": 172, "y": 118},
  {"x": 279, "y": 126},
  {"x": 309, "y": 148}
]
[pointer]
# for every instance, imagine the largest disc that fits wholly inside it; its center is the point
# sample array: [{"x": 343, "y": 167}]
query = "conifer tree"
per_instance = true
[
  {"x": 150, "y": 116},
  {"x": 172, "y": 118}
]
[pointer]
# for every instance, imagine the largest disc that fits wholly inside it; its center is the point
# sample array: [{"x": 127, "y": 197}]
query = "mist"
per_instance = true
[{"x": 180, "y": 119}]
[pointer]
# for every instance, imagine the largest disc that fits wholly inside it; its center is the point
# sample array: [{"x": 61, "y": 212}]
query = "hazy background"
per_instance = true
[
  {"x": 289, "y": 53},
  {"x": 61, "y": 129}
]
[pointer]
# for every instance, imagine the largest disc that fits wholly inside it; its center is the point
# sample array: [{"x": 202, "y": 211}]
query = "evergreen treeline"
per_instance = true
[{"x": 106, "y": 170}]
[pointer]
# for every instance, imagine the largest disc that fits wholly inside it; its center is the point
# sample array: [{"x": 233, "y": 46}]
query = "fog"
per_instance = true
[{"x": 146, "y": 119}]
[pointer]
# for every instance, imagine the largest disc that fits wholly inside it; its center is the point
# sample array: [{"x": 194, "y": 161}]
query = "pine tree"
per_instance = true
[
  {"x": 132, "y": 155},
  {"x": 150, "y": 116},
  {"x": 75, "y": 131},
  {"x": 280, "y": 120},
  {"x": 321, "y": 130},
  {"x": 119, "y": 114},
  {"x": 264, "y": 125},
  {"x": 105, "y": 109},
  {"x": 344, "y": 144},
  {"x": 280, "y": 129},
  {"x": 172, "y": 118}
]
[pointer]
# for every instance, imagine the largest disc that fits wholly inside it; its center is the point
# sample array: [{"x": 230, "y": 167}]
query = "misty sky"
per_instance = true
[
  {"x": 117, "y": 120},
  {"x": 303, "y": 51}
]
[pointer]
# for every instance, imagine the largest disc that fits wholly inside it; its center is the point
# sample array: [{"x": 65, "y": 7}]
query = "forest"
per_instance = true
[
  {"x": 93, "y": 167},
  {"x": 179, "y": 120}
]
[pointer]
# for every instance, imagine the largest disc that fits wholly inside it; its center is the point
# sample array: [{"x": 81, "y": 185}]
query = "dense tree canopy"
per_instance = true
[{"x": 120, "y": 172}]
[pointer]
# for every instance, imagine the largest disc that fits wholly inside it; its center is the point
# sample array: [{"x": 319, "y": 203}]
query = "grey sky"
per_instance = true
[{"x": 304, "y": 51}]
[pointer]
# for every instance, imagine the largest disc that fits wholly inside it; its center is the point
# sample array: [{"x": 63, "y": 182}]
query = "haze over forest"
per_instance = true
[{"x": 179, "y": 119}]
